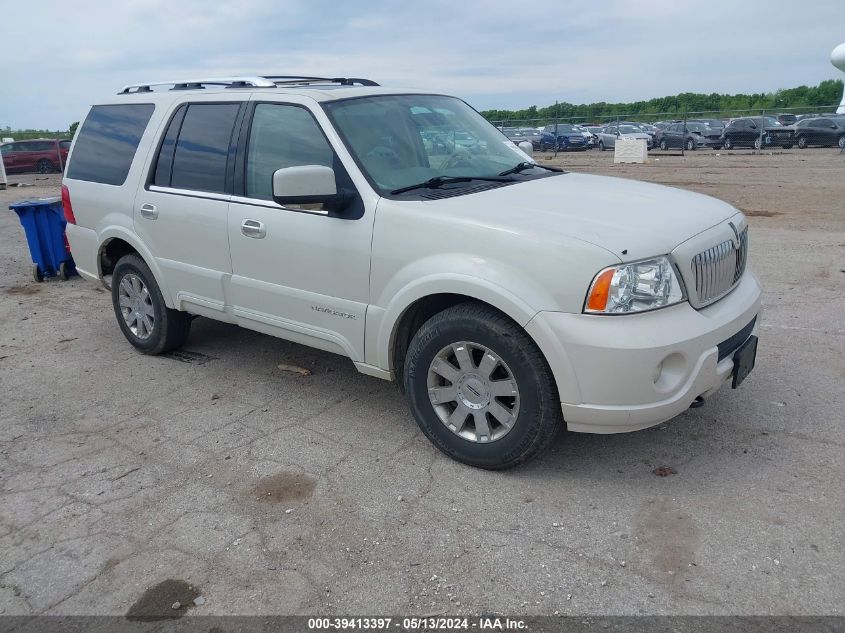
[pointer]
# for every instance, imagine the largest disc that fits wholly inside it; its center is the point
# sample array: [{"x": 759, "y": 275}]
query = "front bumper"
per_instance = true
[{"x": 629, "y": 372}]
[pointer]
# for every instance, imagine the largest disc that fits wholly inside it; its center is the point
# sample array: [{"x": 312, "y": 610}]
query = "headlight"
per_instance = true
[{"x": 635, "y": 287}]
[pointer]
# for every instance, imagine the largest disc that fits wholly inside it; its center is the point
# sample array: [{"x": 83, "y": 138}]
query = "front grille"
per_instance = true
[{"x": 718, "y": 269}]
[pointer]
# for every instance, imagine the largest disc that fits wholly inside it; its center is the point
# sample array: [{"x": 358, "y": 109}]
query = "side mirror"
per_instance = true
[
  {"x": 527, "y": 147},
  {"x": 308, "y": 185}
]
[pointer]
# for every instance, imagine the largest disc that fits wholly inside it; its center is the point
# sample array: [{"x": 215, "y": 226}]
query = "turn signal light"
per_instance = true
[{"x": 597, "y": 300}]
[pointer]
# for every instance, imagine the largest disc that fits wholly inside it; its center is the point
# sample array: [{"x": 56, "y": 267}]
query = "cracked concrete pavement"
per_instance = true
[{"x": 270, "y": 492}]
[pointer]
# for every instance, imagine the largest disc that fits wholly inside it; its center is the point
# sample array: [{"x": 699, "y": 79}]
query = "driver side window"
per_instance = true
[{"x": 282, "y": 136}]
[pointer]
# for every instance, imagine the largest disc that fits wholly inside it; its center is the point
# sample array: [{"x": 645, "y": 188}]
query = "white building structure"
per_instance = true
[{"x": 837, "y": 58}]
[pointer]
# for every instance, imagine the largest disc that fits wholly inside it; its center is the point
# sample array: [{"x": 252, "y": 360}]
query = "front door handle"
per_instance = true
[
  {"x": 253, "y": 228},
  {"x": 149, "y": 211}
]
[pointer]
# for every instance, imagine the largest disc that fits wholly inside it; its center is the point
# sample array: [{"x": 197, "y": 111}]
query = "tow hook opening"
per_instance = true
[{"x": 697, "y": 403}]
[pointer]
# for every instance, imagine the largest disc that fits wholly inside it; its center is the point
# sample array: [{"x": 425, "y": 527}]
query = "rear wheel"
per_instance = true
[
  {"x": 728, "y": 144},
  {"x": 664, "y": 145},
  {"x": 480, "y": 389},
  {"x": 690, "y": 145},
  {"x": 841, "y": 142},
  {"x": 758, "y": 143},
  {"x": 802, "y": 142},
  {"x": 64, "y": 272},
  {"x": 45, "y": 166},
  {"x": 601, "y": 145},
  {"x": 37, "y": 274},
  {"x": 141, "y": 313}
]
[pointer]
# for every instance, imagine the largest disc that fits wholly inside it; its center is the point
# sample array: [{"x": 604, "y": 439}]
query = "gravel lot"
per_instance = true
[{"x": 269, "y": 492}]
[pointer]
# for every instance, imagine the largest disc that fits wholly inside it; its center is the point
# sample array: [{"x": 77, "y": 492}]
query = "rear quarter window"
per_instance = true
[{"x": 107, "y": 142}]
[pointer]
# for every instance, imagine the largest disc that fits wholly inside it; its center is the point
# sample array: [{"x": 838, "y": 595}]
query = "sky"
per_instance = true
[{"x": 59, "y": 56}]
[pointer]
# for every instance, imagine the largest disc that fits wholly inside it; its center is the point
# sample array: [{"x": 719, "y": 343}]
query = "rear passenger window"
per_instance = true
[
  {"x": 107, "y": 141},
  {"x": 202, "y": 147}
]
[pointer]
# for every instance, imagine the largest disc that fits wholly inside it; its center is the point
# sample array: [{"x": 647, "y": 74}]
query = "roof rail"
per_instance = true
[
  {"x": 297, "y": 80},
  {"x": 268, "y": 81},
  {"x": 198, "y": 84}
]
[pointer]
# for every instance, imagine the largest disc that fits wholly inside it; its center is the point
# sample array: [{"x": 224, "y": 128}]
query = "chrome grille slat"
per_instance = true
[{"x": 719, "y": 268}]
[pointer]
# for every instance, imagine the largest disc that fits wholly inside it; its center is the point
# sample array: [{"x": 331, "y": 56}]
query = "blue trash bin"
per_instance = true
[{"x": 43, "y": 222}]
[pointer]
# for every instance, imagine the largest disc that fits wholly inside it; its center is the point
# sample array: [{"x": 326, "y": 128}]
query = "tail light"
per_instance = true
[{"x": 67, "y": 206}]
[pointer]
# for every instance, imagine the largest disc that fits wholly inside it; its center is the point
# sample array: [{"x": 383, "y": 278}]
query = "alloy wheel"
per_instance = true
[
  {"x": 136, "y": 306},
  {"x": 473, "y": 392}
]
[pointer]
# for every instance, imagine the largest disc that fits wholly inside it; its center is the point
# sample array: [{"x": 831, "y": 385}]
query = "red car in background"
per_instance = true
[{"x": 39, "y": 155}]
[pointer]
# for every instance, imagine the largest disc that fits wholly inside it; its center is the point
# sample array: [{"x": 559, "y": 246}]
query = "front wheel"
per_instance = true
[
  {"x": 664, "y": 145},
  {"x": 44, "y": 166},
  {"x": 601, "y": 145},
  {"x": 841, "y": 142},
  {"x": 480, "y": 389},
  {"x": 728, "y": 144},
  {"x": 147, "y": 323},
  {"x": 758, "y": 143},
  {"x": 690, "y": 145}
]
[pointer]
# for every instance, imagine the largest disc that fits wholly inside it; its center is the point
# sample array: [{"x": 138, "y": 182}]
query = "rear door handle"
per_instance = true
[
  {"x": 253, "y": 228},
  {"x": 149, "y": 211}
]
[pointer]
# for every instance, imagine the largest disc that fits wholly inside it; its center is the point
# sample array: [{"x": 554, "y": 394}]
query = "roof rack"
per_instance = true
[
  {"x": 343, "y": 81},
  {"x": 269, "y": 81}
]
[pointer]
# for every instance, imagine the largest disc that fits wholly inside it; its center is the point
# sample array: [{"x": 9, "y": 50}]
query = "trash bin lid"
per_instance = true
[{"x": 35, "y": 202}]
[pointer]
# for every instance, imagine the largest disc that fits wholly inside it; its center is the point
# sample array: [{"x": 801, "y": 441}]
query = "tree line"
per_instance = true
[{"x": 827, "y": 94}]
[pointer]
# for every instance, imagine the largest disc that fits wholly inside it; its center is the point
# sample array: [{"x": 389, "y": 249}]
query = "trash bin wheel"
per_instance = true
[
  {"x": 63, "y": 271},
  {"x": 37, "y": 275}
]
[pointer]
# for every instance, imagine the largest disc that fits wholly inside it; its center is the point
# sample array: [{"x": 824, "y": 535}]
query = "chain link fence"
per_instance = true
[{"x": 680, "y": 132}]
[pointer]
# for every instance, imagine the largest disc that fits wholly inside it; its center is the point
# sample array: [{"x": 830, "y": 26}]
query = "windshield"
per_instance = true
[
  {"x": 401, "y": 140},
  {"x": 629, "y": 129}
]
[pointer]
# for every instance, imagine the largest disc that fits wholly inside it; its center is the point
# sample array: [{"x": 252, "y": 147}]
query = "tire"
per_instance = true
[
  {"x": 758, "y": 143},
  {"x": 169, "y": 329},
  {"x": 664, "y": 146},
  {"x": 63, "y": 271},
  {"x": 491, "y": 339},
  {"x": 728, "y": 144},
  {"x": 841, "y": 142},
  {"x": 45, "y": 166},
  {"x": 37, "y": 274},
  {"x": 601, "y": 145},
  {"x": 690, "y": 145},
  {"x": 802, "y": 142}
]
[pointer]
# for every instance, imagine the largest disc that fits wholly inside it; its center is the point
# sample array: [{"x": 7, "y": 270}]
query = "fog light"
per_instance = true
[{"x": 670, "y": 372}]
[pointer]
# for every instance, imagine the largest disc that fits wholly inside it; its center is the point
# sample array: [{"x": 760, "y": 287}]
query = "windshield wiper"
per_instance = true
[
  {"x": 437, "y": 181},
  {"x": 526, "y": 165}
]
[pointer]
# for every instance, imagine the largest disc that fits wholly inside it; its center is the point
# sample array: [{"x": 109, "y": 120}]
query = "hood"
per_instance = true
[
  {"x": 629, "y": 218},
  {"x": 636, "y": 135}
]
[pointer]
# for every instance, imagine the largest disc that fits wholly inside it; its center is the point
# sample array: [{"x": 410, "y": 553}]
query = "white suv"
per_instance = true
[{"x": 507, "y": 298}]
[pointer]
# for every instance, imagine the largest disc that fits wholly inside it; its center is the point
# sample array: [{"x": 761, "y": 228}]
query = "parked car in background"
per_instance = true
[
  {"x": 786, "y": 119},
  {"x": 44, "y": 156},
  {"x": 823, "y": 131},
  {"x": 690, "y": 136},
  {"x": 649, "y": 129},
  {"x": 609, "y": 134},
  {"x": 562, "y": 137},
  {"x": 589, "y": 136},
  {"x": 531, "y": 135},
  {"x": 757, "y": 132}
]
